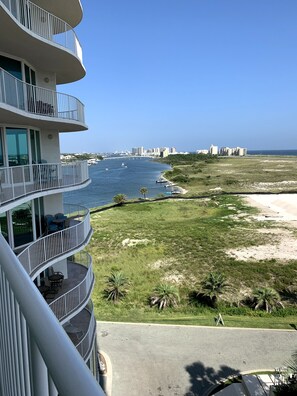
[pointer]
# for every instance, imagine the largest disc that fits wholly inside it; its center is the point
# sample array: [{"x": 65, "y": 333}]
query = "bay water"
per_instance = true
[{"x": 124, "y": 175}]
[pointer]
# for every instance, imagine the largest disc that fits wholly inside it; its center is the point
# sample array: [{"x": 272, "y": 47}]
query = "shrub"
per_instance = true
[
  {"x": 116, "y": 286},
  {"x": 267, "y": 298},
  {"x": 165, "y": 295},
  {"x": 120, "y": 199}
]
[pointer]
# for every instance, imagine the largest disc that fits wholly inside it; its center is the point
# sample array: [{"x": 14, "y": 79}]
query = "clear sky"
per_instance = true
[{"x": 187, "y": 74}]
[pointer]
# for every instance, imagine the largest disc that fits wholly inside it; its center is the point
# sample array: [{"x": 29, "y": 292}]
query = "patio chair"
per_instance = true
[
  {"x": 60, "y": 220},
  {"x": 50, "y": 225},
  {"x": 55, "y": 277}
]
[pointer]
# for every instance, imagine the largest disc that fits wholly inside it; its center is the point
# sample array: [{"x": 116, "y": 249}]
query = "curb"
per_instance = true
[{"x": 105, "y": 372}]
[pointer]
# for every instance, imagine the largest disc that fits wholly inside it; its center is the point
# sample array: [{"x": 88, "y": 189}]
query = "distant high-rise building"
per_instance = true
[
  {"x": 164, "y": 152},
  {"x": 213, "y": 150}
]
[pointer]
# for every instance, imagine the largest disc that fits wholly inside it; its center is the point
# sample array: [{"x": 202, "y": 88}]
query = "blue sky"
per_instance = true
[{"x": 187, "y": 74}]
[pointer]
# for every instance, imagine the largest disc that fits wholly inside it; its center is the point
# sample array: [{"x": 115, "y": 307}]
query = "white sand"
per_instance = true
[
  {"x": 278, "y": 209},
  {"x": 275, "y": 206}
]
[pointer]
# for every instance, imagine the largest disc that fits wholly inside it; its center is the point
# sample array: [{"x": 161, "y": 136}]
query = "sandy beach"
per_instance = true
[{"x": 280, "y": 212}]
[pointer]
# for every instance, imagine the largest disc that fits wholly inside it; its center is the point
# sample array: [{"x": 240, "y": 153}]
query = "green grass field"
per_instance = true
[
  {"x": 201, "y": 175},
  {"x": 180, "y": 241}
]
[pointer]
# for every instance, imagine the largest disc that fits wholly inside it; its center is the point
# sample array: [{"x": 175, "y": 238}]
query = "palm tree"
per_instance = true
[
  {"x": 143, "y": 191},
  {"x": 292, "y": 363},
  {"x": 266, "y": 297},
  {"x": 116, "y": 286},
  {"x": 289, "y": 386},
  {"x": 120, "y": 199},
  {"x": 213, "y": 285},
  {"x": 165, "y": 295}
]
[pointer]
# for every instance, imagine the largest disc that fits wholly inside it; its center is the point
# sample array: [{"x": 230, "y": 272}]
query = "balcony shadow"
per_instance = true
[{"x": 202, "y": 377}]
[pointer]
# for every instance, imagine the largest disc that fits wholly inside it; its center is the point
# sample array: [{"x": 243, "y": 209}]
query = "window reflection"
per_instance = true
[
  {"x": 17, "y": 146},
  {"x": 3, "y": 225},
  {"x": 22, "y": 224}
]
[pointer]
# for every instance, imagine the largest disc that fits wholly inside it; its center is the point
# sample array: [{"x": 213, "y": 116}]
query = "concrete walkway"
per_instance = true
[{"x": 169, "y": 360}]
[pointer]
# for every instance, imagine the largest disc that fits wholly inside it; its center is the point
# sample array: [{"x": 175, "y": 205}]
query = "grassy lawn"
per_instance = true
[
  {"x": 202, "y": 176},
  {"x": 180, "y": 241}
]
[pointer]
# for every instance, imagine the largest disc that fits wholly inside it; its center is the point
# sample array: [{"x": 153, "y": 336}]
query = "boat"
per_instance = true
[
  {"x": 161, "y": 180},
  {"x": 169, "y": 185}
]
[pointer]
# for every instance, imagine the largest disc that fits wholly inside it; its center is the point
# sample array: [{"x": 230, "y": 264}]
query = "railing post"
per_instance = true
[
  {"x": 44, "y": 250},
  {"x": 24, "y": 182},
  {"x": 62, "y": 244},
  {"x": 12, "y": 182}
]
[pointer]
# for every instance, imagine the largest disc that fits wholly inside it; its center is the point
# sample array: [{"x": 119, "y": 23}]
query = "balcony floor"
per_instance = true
[
  {"x": 76, "y": 273},
  {"x": 78, "y": 326}
]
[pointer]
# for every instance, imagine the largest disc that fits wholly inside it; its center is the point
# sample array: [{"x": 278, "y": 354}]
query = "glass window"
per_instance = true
[
  {"x": 22, "y": 224},
  {"x": 12, "y": 66},
  {"x": 30, "y": 76},
  {"x": 17, "y": 146},
  {"x": 35, "y": 146},
  {"x": 4, "y": 226},
  {"x": 1, "y": 151},
  {"x": 39, "y": 215}
]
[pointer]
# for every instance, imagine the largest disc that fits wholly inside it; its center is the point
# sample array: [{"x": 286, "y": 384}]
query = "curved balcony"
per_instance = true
[
  {"x": 68, "y": 10},
  {"x": 20, "y": 101},
  {"x": 82, "y": 331},
  {"x": 33, "y": 25},
  {"x": 76, "y": 289},
  {"x": 58, "y": 52},
  {"x": 17, "y": 182},
  {"x": 53, "y": 247}
]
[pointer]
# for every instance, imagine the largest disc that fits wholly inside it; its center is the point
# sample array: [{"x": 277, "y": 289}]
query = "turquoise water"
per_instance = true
[{"x": 119, "y": 176}]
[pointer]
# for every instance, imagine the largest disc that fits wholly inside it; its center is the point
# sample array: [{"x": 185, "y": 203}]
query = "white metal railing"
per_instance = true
[
  {"x": 54, "y": 245},
  {"x": 22, "y": 307},
  {"x": 86, "y": 343},
  {"x": 64, "y": 305},
  {"x": 19, "y": 181},
  {"x": 44, "y": 24},
  {"x": 37, "y": 100}
]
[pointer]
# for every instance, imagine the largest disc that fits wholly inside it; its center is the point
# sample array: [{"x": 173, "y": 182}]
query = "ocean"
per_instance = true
[
  {"x": 272, "y": 152},
  {"x": 119, "y": 176}
]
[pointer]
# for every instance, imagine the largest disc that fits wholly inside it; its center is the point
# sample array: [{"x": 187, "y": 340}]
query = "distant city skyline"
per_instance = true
[{"x": 185, "y": 74}]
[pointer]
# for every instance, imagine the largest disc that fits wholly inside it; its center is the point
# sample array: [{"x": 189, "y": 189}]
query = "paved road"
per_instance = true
[{"x": 161, "y": 360}]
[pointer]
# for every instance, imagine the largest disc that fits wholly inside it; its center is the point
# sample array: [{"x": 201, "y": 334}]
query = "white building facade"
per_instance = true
[{"x": 49, "y": 272}]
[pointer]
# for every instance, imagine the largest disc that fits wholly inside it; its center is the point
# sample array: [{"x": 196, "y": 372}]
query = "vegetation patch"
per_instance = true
[
  {"x": 179, "y": 243},
  {"x": 205, "y": 175}
]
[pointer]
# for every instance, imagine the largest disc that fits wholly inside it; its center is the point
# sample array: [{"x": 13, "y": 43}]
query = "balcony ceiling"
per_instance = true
[
  {"x": 11, "y": 115},
  {"x": 40, "y": 53},
  {"x": 68, "y": 10}
]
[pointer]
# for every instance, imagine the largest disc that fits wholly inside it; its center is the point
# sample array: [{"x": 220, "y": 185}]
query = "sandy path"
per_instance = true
[
  {"x": 275, "y": 206},
  {"x": 281, "y": 208}
]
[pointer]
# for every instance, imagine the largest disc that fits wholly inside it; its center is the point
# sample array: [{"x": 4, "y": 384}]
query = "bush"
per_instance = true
[
  {"x": 165, "y": 295},
  {"x": 116, "y": 287}
]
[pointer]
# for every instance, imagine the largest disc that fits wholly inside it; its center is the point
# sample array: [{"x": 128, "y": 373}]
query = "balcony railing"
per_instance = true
[
  {"x": 44, "y": 24},
  {"x": 52, "y": 246},
  {"x": 23, "y": 310},
  {"x": 19, "y": 181},
  {"x": 68, "y": 302},
  {"x": 85, "y": 346},
  {"x": 39, "y": 101},
  {"x": 82, "y": 330}
]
